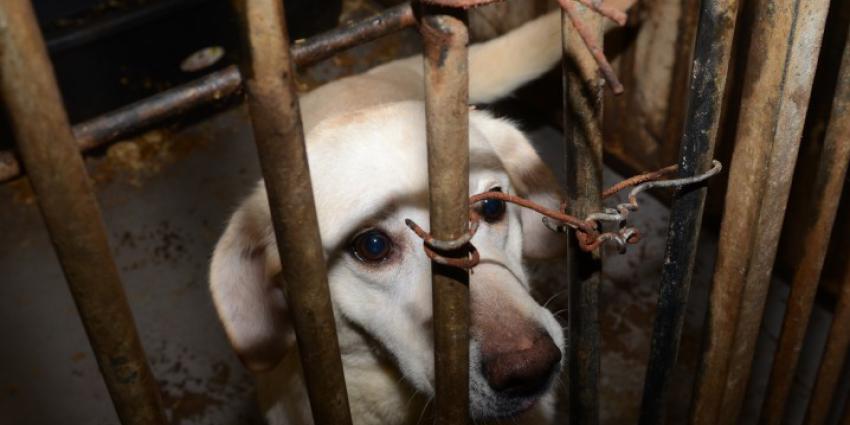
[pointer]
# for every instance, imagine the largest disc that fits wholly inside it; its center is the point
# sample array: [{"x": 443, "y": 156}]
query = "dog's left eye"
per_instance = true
[
  {"x": 493, "y": 209},
  {"x": 372, "y": 246}
]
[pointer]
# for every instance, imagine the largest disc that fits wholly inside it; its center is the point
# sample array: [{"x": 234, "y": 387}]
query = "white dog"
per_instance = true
[{"x": 367, "y": 157}]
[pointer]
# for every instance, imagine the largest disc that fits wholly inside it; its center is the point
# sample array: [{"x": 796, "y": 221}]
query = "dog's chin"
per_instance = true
[{"x": 486, "y": 405}]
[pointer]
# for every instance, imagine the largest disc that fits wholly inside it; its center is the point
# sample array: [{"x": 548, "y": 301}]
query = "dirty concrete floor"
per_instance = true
[{"x": 165, "y": 197}]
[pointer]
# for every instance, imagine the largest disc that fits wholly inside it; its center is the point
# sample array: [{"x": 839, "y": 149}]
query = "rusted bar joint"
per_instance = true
[
  {"x": 449, "y": 248},
  {"x": 587, "y": 230}
]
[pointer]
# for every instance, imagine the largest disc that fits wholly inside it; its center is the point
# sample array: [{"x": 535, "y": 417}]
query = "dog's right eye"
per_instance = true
[{"x": 372, "y": 246}]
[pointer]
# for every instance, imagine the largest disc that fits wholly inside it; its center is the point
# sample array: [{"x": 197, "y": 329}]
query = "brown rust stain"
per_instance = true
[
  {"x": 22, "y": 192},
  {"x": 186, "y": 405},
  {"x": 141, "y": 158}
]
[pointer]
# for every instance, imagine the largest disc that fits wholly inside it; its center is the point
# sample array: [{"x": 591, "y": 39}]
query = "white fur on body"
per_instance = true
[{"x": 367, "y": 157}]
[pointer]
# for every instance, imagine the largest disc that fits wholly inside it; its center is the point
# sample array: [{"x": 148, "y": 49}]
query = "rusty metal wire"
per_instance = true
[
  {"x": 461, "y": 253},
  {"x": 593, "y": 45}
]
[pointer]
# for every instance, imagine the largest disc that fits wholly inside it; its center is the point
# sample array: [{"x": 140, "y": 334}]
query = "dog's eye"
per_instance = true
[
  {"x": 493, "y": 209},
  {"x": 372, "y": 246}
]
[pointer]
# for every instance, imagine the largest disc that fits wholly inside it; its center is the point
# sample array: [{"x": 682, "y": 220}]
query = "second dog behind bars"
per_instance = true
[{"x": 366, "y": 145}]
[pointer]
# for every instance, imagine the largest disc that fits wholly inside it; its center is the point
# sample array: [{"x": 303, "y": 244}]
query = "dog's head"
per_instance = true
[{"x": 369, "y": 172}]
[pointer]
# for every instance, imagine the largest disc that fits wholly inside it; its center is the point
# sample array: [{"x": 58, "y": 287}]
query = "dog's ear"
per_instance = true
[
  {"x": 250, "y": 304},
  {"x": 532, "y": 179}
]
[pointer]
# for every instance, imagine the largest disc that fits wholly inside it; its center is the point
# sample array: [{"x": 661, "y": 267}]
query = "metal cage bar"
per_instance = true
[
  {"x": 582, "y": 123},
  {"x": 72, "y": 216},
  {"x": 445, "y": 38},
  {"x": 777, "y": 85},
  {"x": 711, "y": 61},
  {"x": 832, "y": 172},
  {"x": 805, "y": 281},
  {"x": 217, "y": 86},
  {"x": 276, "y": 119}
]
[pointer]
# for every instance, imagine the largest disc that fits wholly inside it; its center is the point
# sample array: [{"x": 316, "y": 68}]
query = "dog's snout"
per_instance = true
[{"x": 524, "y": 368}]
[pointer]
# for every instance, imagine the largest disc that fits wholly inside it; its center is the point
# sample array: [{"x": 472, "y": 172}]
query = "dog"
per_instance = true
[{"x": 366, "y": 144}]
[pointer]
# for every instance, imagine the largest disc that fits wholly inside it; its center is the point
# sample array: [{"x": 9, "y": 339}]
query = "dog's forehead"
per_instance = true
[{"x": 367, "y": 162}]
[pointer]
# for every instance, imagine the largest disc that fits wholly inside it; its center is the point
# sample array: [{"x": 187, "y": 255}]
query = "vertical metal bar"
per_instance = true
[
  {"x": 711, "y": 62},
  {"x": 70, "y": 210},
  {"x": 445, "y": 38},
  {"x": 837, "y": 342},
  {"x": 273, "y": 103},
  {"x": 832, "y": 172},
  {"x": 818, "y": 229},
  {"x": 583, "y": 90},
  {"x": 777, "y": 84},
  {"x": 677, "y": 99}
]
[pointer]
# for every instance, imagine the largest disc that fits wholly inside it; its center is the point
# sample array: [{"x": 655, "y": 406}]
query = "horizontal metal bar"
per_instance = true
[
  {"x": 711, "y": 61},
  {"x": 276, "y": 118},
  {"x": 70, "y": 211},
  {"x": 445, "y": 38},
  {"x": 217, "y": 86}
]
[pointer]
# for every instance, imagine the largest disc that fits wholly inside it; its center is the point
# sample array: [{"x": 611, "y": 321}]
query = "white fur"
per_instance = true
[{"x": 367, "y": 157}]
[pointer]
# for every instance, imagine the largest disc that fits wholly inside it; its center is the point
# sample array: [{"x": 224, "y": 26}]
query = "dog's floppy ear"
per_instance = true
[
  {"x": 532, "y": 179},
  {"x": 250, "y": 304}
]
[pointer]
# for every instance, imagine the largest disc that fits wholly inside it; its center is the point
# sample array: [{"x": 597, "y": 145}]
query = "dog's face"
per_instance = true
[{"x": 369, "y": 174}]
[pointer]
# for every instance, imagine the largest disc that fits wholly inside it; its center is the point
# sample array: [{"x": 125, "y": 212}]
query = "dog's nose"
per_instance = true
[{"x": 525, "y": 369}]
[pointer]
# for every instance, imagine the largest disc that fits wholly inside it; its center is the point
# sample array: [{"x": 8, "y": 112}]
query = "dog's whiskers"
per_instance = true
[
  {"x": 424, "y": 408},
  {"x": 555, "y": 314},
  {"x": 557, "y": 294}
]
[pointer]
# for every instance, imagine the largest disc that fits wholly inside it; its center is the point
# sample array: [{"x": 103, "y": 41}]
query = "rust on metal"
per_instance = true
[
  {"x": 445, "y": 37},
  {"x": 592, "y": 39},
  {"x": 832, "y": 172},
  {"x": 582, "y": 124},
  {"x": 221, "y": 85},
  {"x": 710, "y": 64},
  {"x": 777, "y": 84},
  {"x": 276, "y": 119},
  {"x": 70, "y": 211},
  {"x": 586, "y": 230},
  {"x": 314, "y": 49}
]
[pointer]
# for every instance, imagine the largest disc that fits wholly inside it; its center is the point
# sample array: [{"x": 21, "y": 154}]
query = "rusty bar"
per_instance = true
[
  {"x": 273, "y": 104},
  {"x": 217, "y": 86},
  {"x": 583, "y": 90},
  {"x": 445, "y": 38},
  {"x": 314, "y": 49},
  {"x": 839, "y": 333},
  {"x": 832, "y": 171},
  {"x": 70, "y": 211},
  {"x": 710, "y": 65},
  {"x": 777, "y": 83},
  {"x": 818, "y": 226}
]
